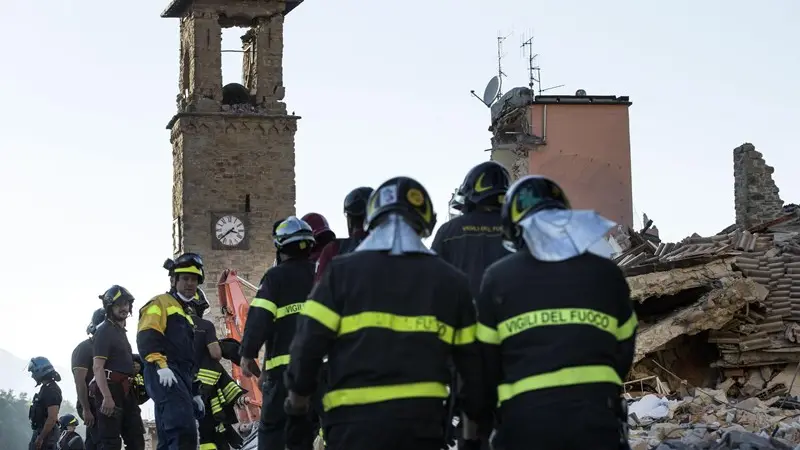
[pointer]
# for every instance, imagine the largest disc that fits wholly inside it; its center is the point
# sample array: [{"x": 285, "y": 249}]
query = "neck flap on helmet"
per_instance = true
[
  {"x": 559, "y": 234},
  {"x": 396, "y": 236}
]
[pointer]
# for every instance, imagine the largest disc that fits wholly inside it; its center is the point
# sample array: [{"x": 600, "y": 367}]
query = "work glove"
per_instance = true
[
  {"x": 166, "y": 377},
  {"x": 199, "y": 406}
]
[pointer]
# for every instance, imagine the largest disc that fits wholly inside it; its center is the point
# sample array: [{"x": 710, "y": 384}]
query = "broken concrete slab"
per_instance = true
[
  {"x": 711, "y": 312},
  {"x": 671, "y": 282}
]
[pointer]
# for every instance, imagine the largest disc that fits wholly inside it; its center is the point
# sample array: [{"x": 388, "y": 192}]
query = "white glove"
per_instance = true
[
  {"x": 166, "y": 377},
  {"x": 199, "y": 402}
]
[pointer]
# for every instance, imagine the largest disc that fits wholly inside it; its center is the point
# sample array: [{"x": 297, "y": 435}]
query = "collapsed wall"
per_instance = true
[
  {"x": 719, "y": 327},
  {"x": 755, "y": 194}
]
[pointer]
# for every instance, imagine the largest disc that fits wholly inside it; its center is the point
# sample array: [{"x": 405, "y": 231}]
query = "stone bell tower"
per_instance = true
[{"x": 233, "y": 145}]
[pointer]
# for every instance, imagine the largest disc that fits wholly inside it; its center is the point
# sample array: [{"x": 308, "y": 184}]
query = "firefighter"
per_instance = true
[
  {"x": 166, "y": 339},
  {"x": 473, "y": 240},
  {"x": 274, "y": 229},
  {"x": 119, "y": 417},
  {"x": 219, "y": 391},
  {"x": 271, "y": 319},
  {"x": 69, "y": 439},
  {"x": 43, "y": 412},
  {"x": 82, "y": 361},
  {"x": 556, "y": 325},
  {"x": 322, "y": 233},
  {"x": 389, "y": 316},
  {"x": 355, "y": 207},
  {"x": 138, "y": 388}
]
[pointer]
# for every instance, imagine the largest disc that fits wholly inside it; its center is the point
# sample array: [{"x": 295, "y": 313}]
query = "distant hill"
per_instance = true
[{"x": 14, "y": 376}]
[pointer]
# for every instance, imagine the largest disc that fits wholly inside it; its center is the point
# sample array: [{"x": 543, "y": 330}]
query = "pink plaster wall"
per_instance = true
[{"x": 588, "y": 153}]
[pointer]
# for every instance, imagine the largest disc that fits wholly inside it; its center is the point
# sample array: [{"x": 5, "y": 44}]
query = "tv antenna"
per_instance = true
[
  {"x": 493, "y": 89},
  {"x": 534, "y": 71}
]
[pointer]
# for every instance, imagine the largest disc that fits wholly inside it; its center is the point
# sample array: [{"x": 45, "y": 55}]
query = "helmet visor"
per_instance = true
[{"x": 189, "y": 259}]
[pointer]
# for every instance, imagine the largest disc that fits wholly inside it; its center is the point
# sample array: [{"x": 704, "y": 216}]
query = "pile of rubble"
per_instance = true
[
  {"x": 708, "y": 419},
  {"x": 719, "y": 320}
]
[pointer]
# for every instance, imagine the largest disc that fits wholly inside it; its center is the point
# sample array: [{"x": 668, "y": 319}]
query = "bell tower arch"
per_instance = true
[{"x": 233, "y": 145}]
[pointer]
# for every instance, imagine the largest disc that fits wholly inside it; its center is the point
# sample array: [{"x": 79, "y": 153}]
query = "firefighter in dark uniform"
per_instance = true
[
  {"x": 389, "y": 316},
  {"x": 138, "y": 387},
  {"x": 473, "y": 240},
  {"x": 271, "y": 319},
  {"x": 322, "y": 233},
  {"x": 355, "y": 210},
  {"x": 219, "y": 391},
  {"x": 118, "y": 417},
  {"x": 166, "y": 339},
  {"x": 69, "y": 438},
  {"x": 556, "y": 325},
  {"x": 82, "y": 362},
  {"x": 43, "y": 412}
]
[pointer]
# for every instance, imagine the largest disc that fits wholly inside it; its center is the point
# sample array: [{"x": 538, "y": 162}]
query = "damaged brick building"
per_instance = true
[
  {"x": 722, "y": 306},
  {"x": 720, "y": 325}
]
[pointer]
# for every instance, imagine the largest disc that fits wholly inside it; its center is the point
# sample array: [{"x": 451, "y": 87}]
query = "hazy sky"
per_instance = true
[{"x": 383, "y": 89}]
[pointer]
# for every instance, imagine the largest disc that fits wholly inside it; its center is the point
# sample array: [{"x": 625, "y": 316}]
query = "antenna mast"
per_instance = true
[
  {"x": 534, "y": 71},
  {"x": 500, "y": 55}
]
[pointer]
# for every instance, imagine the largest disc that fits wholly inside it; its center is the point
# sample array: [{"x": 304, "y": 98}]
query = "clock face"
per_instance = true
[{"x": 229, "y": 230}]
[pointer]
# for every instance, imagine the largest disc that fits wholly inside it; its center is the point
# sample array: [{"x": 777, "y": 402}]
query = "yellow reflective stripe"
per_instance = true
[
  {"x": 487, "y": 335},
  {"x": 465, "y": 335},
  {"x": 264, "y": 304},
  {"x": 230, "y": 392},
  {"x": 407, "y": 324},
  {"x": 322, "y": 314},
  {"x": 377, "y": 394},
  {"x": 288, "y": 310},
  {"x": 627, "y": 329},
  {"x": 569, "y": 376},
  {"x": 560, "y": 316},
  {"x": 209, "y": 377},
  {"x": 189, "y": 269},
  {"x": 157, "y": 358},
  {"x": 208, "y": 446},
  {"x": 280, "y": 360},
  {"x": 371, "y": 319},
  {"x": 177, "y": 310}
]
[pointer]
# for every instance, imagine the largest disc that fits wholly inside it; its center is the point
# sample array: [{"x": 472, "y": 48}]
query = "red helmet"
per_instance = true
[{"x": 319, "y": 225}]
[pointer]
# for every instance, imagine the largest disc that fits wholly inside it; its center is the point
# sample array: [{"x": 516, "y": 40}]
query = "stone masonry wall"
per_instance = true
[
  {"x": 219, "y": 160},
  {"x": 755, "y": 193}
]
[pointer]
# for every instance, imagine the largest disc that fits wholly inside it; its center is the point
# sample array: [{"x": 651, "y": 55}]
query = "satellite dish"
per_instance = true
[{"x": 491, "y": 91}]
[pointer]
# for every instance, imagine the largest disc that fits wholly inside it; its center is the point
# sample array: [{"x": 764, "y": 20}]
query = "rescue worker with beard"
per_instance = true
[
  {"x": 82, "y": 362},
  {"x": 355, "y": 210},
  {"x": 271, "y": 320},
  {"x": 43, "y": 412},
  {"x": 389, "y": 315},
  {"x": 556, "y": 325},
  {"x": 166, "y": 339},
  {"x": 473, "y": 240},
  {"x": 118, "y": 415},
  {"x": 322, "y": 233},
  {"x": 219, "y": 391},
  {"x": 69, "y": 439}
]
